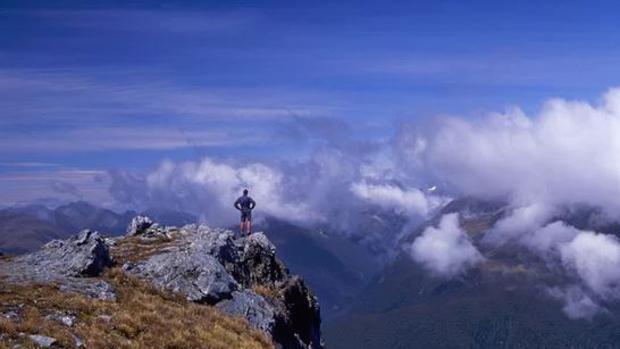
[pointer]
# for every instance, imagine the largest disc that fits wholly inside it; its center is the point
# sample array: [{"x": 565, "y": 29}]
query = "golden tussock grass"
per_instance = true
[
  {"x": 133, "y": 248},
  {"x": 142, "y": 317},
  {"x": 267, "y": 292}
]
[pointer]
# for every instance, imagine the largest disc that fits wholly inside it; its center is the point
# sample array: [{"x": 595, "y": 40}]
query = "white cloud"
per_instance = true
[
  {"x": 547, "y": 239},
  {"x": 388, "y": 196},
  {"x": 522, "y": 220},
  {"x": 568, "y": 154},
  {"x": 596, "y": 260},
  {"x": 577, "y": 304},
  {"x": 445, "y": 250},
  {"x": 593, "y": 260},
  {"x": 215, "y": 186},
  {"x": 567, "y": 157},
  {"x": 61, "y": 184},
  {"x": 116, "y": 138},
  {"x": 315, "y": 192}
]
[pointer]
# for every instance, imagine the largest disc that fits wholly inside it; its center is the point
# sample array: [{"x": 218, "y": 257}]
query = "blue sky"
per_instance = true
[{"x": 91, "y": 86}]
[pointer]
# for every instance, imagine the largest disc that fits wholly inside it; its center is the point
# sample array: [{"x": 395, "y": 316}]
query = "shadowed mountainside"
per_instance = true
[
  {"x": 336, "y": 268},
  {"x": 504, "y": 302}
]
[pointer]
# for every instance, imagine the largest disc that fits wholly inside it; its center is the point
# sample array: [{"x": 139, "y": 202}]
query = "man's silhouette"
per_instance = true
[{"x": 245, "y": 205}]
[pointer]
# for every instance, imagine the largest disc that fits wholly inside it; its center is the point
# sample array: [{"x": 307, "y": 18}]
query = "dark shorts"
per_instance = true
[{"x": 246, "y": 216}]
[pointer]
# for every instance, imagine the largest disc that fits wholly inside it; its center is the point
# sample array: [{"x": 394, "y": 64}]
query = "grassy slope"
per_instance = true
[{"x": 141, "y": 317}]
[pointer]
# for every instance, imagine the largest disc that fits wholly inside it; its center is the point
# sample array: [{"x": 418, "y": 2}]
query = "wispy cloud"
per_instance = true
[
  {"x": 90, "y": 94},
  {"x": 59, "y": 185},
  {"x": 28, "y": 164},
  {"x": 117, "y": 138},
  {"x": 83, "y": 110}
]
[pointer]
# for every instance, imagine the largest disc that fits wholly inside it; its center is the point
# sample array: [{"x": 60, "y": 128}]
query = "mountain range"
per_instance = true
[
  {"x": 504, "y": 302},
  {"x": 336, "y": 267},
  {"x": 370, "y": 299},
  {"x": 26, "y": 228}
]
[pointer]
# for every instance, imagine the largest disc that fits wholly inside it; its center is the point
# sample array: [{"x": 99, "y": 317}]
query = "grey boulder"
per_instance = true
[
  {"x": 42, "y": 341},
  {"x": 258, "y": 262},
  {"x": 71, "y": 264},
  {"x": 139, "y": 225},
  {"x": 254, "y": 308},
  {"x": 198, "y": 276},
  {"x": 84, "y": 255}
]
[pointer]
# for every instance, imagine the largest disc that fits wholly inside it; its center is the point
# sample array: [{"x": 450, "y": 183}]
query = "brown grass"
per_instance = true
[
  {"x": 267, "y": 292},
  {"x": 133, "y": 248},
  {"x": 477, "y": 226},
  {"x": 141, "y": 317}
]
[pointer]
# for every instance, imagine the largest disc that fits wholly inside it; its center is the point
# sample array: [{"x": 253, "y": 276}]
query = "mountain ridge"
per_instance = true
[
  {"x": 241, "y": 277},
  {"x": 508, "y": 300}
]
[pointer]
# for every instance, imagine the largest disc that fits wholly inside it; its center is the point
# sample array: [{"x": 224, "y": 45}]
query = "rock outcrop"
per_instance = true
[
  {"x": 71, "y": 263},
  {"x": 85, "y": 254},
  {"x": 197, "y": 275},
  {"x": 239, "y": 276},
  {"x": 139, "y": 225}
]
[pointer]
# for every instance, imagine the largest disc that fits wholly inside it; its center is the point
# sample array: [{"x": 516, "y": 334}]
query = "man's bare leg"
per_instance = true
[
  {"x": 249, "y": 227},
  {"x": 241, "y": 226}
]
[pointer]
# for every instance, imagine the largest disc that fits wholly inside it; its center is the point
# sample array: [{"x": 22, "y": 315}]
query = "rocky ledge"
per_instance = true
[{"x": 239, "y": 276}]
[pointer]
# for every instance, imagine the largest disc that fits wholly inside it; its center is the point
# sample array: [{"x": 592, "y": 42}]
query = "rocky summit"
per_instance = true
[{"x": 208, "y": 267}]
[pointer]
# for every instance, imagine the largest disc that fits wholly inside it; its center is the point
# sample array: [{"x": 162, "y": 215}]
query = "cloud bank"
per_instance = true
[
  {"x": 445, "y": 250},
  {"x": 214, "y": 186},
  {"x": 546, "y": 166},
  {"x": 326, "y": 189},
  {"x": 569, "y": 154},
  {"x": 389, "y": 196}
]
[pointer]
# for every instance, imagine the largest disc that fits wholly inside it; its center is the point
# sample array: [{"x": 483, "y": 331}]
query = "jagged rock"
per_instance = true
[
  {"x": 92, "y": 256},
  {"x": 79, "y": 342},
  {"x": 299, "y": 319},
  {"x": 259, "y": 264},
  {"x": 259, "y": 241},
  {"x": 210, "y": 265},
  {"x": 206, "y": 265},
  {"x": 216, "y": 242},
  {"x": 139, "y": 225},
  {"x": 42, "y": 341},
  {"x": 96, "y": 289},
  {"x": 259, "y": 313},
  {"x": 83, "y": 255},
  {"x": 111, "y": 241},
  {"x": 11, "y": 315},
  {"x": 67, "y": 319},
  {"x": 68, "y": 263},
  {"x": 199, "y": 276}
]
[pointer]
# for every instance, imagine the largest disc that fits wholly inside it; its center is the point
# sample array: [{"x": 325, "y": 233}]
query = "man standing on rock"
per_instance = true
[{"x": 245, "y": 205}]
